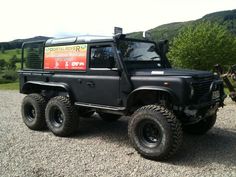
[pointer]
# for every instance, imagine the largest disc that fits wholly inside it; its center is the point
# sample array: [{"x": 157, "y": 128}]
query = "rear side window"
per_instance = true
[
  {"x": 33, "y": 56},
  {"x": 102, "y": 57}
]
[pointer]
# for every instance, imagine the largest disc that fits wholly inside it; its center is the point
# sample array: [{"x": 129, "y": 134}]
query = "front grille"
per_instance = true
[{"x": 202, "y": 86}]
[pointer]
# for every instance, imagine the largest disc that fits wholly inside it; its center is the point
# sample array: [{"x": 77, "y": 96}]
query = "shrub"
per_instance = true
[
  {"x": 10, "y": 75},
  {"x": 2, "y": 64},
  {"x": 203, "y": 45}
]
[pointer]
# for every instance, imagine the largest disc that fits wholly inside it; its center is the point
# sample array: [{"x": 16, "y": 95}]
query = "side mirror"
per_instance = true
[{"x": 163, "y": 47}]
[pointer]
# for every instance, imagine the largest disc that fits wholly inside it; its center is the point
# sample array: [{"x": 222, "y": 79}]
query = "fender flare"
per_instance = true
[
  {"x": 153, "y": 88},
  {"x": 32, "y": 86}
]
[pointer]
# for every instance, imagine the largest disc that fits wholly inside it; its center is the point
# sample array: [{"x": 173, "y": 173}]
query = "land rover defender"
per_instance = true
[{"x": 65, "y": 79}]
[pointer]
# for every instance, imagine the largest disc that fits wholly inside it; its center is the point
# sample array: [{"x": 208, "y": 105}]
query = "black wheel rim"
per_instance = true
[
  {"x": 56, "y": 117},
  {"x": 30, "y": 112},
  {"x": 149, "y": 133}
]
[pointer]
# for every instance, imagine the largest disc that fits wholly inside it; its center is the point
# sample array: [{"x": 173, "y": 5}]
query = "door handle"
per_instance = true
[
  {"x": 80, "y": 81},
  {"x": 90, "y": 84}
]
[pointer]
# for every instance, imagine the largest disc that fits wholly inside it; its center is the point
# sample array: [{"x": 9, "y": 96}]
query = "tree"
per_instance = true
[
  {"x": 203, "y": 45},
  {"x": 11, "y": 65},
  {"x": 2, "y": 64}
]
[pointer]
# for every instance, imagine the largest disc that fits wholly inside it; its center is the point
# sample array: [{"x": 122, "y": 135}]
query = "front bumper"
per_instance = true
[
  {"x": 207, "y": 106},
  {"x": 220, "y": 102}
]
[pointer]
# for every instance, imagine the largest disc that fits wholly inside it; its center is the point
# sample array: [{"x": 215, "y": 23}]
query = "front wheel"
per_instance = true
[
  {"x": 201, "y": 127},
  {"x": 155, "y": 132}
]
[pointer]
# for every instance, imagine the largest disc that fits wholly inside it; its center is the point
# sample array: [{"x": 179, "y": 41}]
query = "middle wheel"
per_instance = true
[{"x": 61, "y": 117}]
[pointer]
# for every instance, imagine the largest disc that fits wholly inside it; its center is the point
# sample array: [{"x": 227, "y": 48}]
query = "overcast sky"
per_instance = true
[{"x": 28, "y": 18}]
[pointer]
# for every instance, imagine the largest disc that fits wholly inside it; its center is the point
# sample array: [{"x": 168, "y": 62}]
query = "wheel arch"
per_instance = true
[
  {"x": 38, "y": 86},
  {"x": 150, "y": 89}
]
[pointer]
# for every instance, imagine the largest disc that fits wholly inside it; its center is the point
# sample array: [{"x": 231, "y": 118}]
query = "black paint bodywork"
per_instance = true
[{"x": 119, "y": 91}]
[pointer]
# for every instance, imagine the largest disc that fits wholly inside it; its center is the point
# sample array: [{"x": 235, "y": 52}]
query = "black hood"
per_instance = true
[{"x": 170, "y": 72}]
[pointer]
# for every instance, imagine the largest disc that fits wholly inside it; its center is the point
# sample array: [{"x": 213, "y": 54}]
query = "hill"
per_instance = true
[
  {"x": 36, "y": 38},
  {"x": 169, "y": 31},
  {"x": 18, "y": 42},
  {"x": 166, "y": 31}
]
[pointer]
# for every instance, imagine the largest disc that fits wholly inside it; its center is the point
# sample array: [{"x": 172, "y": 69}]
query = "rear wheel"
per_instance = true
[
  {"x": 201, "y": 127},
  {"x": 33, "y": 111},
  {"x": 61, "y": 117},
  {"x": 155, "y": 132},
  {"x": 109, "y": 117}
]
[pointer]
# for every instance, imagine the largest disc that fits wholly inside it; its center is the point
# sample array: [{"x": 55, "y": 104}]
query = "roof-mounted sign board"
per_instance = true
[{"x": 68, "y": 57}]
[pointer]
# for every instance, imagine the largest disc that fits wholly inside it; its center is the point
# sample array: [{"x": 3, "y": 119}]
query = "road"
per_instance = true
[{"x": 103, "y": 149}]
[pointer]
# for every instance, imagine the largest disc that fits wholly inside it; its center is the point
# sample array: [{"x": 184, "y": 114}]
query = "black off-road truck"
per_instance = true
[{"x": 69, "y": 78}]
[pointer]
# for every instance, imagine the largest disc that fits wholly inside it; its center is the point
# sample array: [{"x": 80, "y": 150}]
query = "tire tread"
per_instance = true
[
  {"x": 71, "y": 122},
  {"x": 41, "y": 101},
  {"x": 175, "y": 126}
]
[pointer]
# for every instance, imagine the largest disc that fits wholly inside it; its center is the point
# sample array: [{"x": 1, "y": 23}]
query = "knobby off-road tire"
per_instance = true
[
  {"x": 155, "y": 132},
  {"x": 61, "y": 117},
  {"x": 33, "y": 111},
  {"x": 201, "y": 127},
  {"x": 109, "y": 117}
]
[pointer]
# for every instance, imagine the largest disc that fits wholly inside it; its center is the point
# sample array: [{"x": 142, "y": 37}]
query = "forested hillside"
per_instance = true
[
  {"x": 10, "y": 53},
  {"x": 18, "y": 42},
  {"x": 168, "y": 31}
]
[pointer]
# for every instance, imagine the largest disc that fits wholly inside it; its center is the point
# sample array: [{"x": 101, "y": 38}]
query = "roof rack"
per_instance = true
[{"x": 83, "y": 38}]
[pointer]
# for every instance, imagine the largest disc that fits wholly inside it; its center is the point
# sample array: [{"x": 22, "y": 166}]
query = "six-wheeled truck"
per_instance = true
[{"x": 65, "y": 79}]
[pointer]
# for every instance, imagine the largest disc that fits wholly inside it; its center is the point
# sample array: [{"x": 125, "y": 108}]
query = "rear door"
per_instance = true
[
  {"x": 101, "y": 83},
  {"x": 32, "y": 63}
]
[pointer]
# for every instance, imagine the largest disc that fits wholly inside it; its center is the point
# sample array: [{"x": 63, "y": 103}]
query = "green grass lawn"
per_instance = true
[
  {"x": 10, "y": 86},
  {"x": 8, "y": 54}
]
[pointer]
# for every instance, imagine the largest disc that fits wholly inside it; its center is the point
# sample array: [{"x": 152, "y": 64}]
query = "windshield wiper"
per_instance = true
[
  {"x": 137, "y": 56},
  {"x": 153, "y": 58}
]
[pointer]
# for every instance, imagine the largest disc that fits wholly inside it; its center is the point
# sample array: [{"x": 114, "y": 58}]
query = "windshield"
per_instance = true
[{"x": 138, "y": 54}]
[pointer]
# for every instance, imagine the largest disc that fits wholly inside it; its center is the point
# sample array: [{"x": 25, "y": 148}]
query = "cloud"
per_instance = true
[{"x": 27, "y": 18}]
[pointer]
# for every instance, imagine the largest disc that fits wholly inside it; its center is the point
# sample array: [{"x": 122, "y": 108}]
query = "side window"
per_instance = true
[
  {"x": 102, "y": 57},
  {"x": 33, "y": 56}
]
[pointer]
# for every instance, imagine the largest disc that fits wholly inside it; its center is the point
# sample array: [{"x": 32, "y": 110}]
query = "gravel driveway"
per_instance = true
[{"x": 103, "y": 149}]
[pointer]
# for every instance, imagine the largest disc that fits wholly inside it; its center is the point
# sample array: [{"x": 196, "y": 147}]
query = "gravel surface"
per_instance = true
[{"x": 103, "y": 149}]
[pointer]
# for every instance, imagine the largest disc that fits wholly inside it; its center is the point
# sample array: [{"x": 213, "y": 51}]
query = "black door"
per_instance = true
[{"x": 101, "y": 83}]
